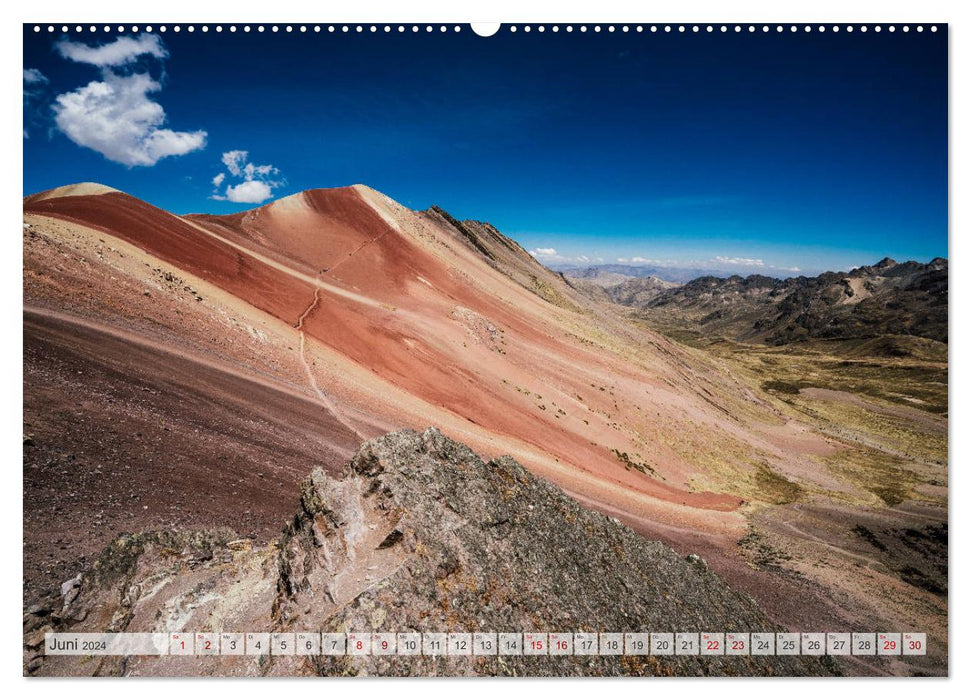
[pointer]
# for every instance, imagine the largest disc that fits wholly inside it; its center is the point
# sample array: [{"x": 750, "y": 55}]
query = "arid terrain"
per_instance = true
[{"x": 186, "y": 373}]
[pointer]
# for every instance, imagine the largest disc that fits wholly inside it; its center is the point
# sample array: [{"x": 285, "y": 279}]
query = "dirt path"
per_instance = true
[
  {"x": 803, "y": 534},
  {"x": 306, "y": 312},
  {"x": 332, "y": 407},
  {"x": 313, "y": 280}
]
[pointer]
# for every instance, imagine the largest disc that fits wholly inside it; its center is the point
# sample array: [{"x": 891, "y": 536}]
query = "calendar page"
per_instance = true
[{"x": 522, "y": 349}]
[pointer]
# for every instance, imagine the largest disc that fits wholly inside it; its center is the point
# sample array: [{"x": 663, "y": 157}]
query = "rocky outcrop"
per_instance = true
[
  {"x": 418, "y": 534},
  {"x": 507, "y": 256}
]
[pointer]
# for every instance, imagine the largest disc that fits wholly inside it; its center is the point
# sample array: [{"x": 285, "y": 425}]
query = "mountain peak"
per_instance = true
[{"x": 78, "y": 189}]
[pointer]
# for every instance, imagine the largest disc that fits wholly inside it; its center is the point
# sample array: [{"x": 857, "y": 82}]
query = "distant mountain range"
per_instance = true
[
  {"x": 612, "y": 287},
  {"x": 618, "y": 272},
  {"x": 888, "y": 298}
]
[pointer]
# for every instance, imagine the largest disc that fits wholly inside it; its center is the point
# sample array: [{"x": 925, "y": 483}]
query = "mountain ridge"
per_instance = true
[{"x": 886, "y": 298}]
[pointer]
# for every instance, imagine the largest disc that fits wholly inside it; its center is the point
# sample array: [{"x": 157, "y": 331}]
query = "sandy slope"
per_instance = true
[{"x": 488, "y": 352}]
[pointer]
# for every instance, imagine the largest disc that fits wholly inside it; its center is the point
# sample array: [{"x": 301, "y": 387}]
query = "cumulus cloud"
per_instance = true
[
  {"x": 121, "y": 52},
  {"x": 543, "y": 252},
  {"x": 250, "y": 192},
  {"x": 117, "y": 118},
  {"x": 257, "y": 181},
  {"x": 745, "y": 262},
  {"x": 116, "y": 115}
]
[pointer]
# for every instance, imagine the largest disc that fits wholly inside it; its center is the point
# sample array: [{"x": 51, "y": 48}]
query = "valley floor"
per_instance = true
[{"x": 871, "y": 556}]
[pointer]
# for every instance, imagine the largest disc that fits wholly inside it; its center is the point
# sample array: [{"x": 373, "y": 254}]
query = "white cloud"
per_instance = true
[
  {"x": 744, "y": 262},
  {"x": 638, "y": 260},
  {"x": 121, "y": 52},
  {"x": 543, "y": 252},
  {"x": 250, "y": 192},
  {"x": 116, "y": 116},
  {"x": 234, "y": 161},
  {"x": 252, "y": 171},
  {"x": 32, "y": 76},
  {"x": 258, "y": 181},
  {"x": 716, "y": 263},
  {"x": 550, "y": 255}
]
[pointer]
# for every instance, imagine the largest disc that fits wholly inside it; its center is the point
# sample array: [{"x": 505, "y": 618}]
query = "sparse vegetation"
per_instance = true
[
  {"x": 632, "y": 464},
  {"x": 885, "y": 476},
  {"x": 867, "y": 534},
  {"x": 760, "y": 553},
  {"x": 549, "y": 293},
  {"x": 918, "y": 379},
  {"x": 774, "y": 487},
  {"x": 781, "y": 387}
]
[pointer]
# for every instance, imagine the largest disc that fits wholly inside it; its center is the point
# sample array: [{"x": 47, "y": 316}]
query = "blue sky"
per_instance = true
[{"x": 744, "y": 152}]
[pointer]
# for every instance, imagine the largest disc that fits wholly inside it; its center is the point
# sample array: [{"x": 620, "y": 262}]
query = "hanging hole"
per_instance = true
[{"x": 485, "y": 29}]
